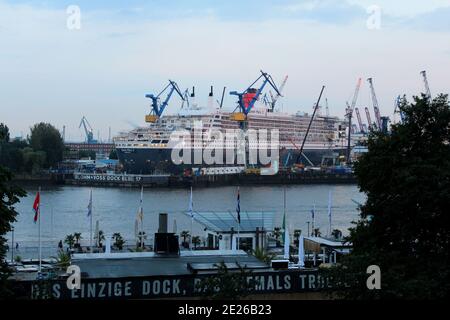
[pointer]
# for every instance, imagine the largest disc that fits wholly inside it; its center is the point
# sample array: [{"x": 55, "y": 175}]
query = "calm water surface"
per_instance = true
[{"x": 64, "y": 209}]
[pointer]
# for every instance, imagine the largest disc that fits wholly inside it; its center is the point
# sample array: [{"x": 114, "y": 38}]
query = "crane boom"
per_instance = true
[
  {"x": 358, "y": 115},
  {"x": 369, "y": 120},
  {"x": 158, "y": 109},
  {"x": 349, "y": 115},
  {"x": 247, "y": 99},
  {"x": 278, "y": 95},
  {"x": 376, "y": 109},
  {"x": 87, "y": 130}
]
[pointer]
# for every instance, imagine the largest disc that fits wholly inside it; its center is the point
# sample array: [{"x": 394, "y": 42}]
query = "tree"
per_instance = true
[
  {"x": 185, "y": 234},
  {"x": 70, "y": 240},
  {"x": 9, "y": 196},
  {"x": 196, "y": 241},
  {"x": 62, "y": 260},
  {"x": 118, "y": 240},
  {"x": 77, "y": 237},
  {"x": 100, "y": 237},
  {"x": 336, "y": 234},
  {"x": 403, "y": 226},
  {"x": 113, "y": 154},
  {"x": 227, "y": 285},
  {"x": 45, "y": 137},
  {"x": 4, "y": 133}
]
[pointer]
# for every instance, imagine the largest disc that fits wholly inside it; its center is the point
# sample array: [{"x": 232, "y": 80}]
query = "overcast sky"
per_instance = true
[{"x": 125, "y": 49}]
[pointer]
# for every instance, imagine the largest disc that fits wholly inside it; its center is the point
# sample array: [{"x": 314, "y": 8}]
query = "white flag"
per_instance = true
[
  {"x": 286, "y": 243},
  {"x": 301, "y": 252}
]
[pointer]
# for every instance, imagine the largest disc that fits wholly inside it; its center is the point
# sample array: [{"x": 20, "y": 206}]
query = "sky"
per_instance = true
[{"x": 53, "y": 71}]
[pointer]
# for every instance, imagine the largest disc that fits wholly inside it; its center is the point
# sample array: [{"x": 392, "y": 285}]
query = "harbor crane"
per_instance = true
[
  {"x": 87, "y": 130},
  {"x": 247, "y": 99},
  {"x": 157, "y": 108},
  {"x": 361, "y": 126},
  {"x": 278, "y": 95},
  {"x": 376, "y": 109},
  {"x": 425, "y": 81},
  {"x": 349, "y": 115},
  {"x": 186, "y": 99},
  {"x": 369, "y": 119}
]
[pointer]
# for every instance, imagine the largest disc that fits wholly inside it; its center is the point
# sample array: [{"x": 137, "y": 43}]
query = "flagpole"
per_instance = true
[
  {"x": 90, "y": 237},
  {"x": 142, "y": 217},
  {"x": 39, "y": 228},
  {"x": 191, "y": 208}
]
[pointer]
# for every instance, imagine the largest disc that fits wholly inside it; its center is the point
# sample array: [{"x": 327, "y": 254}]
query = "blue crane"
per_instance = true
[
  {"x": 87, "y": 130},
  {"x": 247, "y": 99},
  {"x": 157, "y": 108}
]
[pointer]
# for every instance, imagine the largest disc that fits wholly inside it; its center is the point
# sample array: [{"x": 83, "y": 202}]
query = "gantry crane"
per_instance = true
[
  {"x": 87, "y": 130},
  {"x": 376, "y": 109},
  {"x": 247, "y": 99},
  {"x": 157, "y": 108}
]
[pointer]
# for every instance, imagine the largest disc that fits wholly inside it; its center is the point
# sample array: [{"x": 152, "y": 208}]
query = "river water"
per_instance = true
[{"x": 64, "y": 210}]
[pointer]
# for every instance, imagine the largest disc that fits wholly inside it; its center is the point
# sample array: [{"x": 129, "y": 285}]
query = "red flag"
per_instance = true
[{"x": 36, "y": 203}]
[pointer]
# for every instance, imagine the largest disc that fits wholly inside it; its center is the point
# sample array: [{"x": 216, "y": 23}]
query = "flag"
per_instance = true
[
  {"x": 286, "y": 244},
  {"x": 191, "y": 206},
  {"x": 36, "y": 204},
  {"x": 238, "y": 207},
  {"x": 301, "y": 252},
  {"x": 89, "y": 207}
]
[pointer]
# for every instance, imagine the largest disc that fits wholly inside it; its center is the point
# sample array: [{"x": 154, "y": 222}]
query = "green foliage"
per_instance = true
[
  {"x": 70, "y": 240},
  {"x": 9, "y": 196},
  {"x": 77, "y": 237},
  {"x": 113, "y": 154},
  {"x": 226, "y": 285},
  {"x": 62, "y": 260},
  {"x": 185, "y": 234},
  {"x": 404, "y": 223},
  {"x": 277, "y": 232},
  {"x": 263, "y": 255},
  {"x": 118, "y": 241},
  {"x": 196, "y": 241},
  {"x": 4, "y": 133},
  {"x": 87, "y": 154},
  {"x": 45, "y": 137}
]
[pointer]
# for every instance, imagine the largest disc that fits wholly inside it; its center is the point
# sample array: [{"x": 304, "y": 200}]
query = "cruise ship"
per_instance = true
[{"x": 151, "y": 149}]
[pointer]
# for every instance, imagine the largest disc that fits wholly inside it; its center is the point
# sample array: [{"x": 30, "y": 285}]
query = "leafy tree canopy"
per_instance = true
[
  {"x": 45, "y": 137},
  {"x": 404, "y": 223},
  {"x": 9, "y": 196}
]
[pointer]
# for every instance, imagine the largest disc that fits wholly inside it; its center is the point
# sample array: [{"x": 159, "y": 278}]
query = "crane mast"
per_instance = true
[
  {"x": 369, "y": 120},
  {"x": 358, "y": 115},
  {"x": 376, "y": 109},
  {"x": 87, "y": 130},
  {"x": 425, "y": 81},
  {"x": 349, "y": 115}
]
